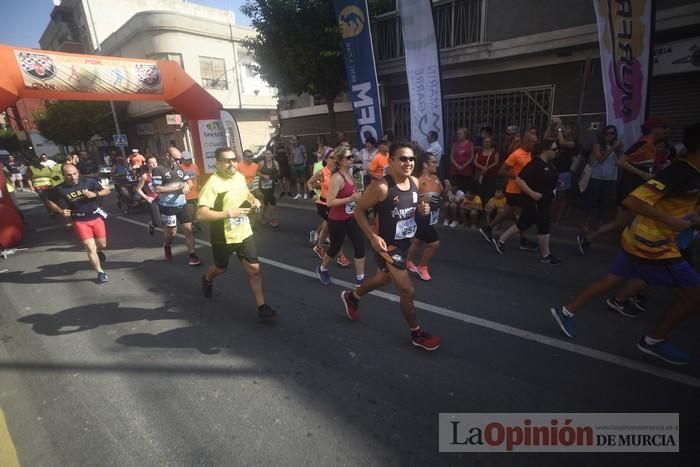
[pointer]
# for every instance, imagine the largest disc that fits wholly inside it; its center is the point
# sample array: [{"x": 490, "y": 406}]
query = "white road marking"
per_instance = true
[{"x": 560, "y": 344}]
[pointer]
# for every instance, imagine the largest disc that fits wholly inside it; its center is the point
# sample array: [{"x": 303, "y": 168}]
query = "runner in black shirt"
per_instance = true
[
  {"x": 395, "y": 201},
  {"x": 537, "y": 180},
  {"x": 79, "y": 198}
]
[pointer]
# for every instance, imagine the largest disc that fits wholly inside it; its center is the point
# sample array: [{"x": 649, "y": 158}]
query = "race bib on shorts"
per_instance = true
[
  {"x": 236, "y": 221},
  {"x": 169, "y": 221},
  {"x": 266, "y": 184},
  {"x": 101, "y": 213},
  {"x": 434, "y": 217},
  {"x": 350, "y": 207},
  {"x": 406, "y": 229}
]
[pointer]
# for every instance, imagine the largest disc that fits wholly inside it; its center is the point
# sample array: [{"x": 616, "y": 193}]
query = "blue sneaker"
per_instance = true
[
  {"x": 664, "y": 350},
  {"x": 359, "y": 282},
  {"x": 567, "y": 325},
  {"x": 102, "y": 277},
  {"x": 324, "y": 276}
]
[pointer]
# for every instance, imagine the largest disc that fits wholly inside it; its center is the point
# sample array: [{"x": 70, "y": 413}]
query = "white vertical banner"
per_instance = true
[
  {"x": 624, "y": 36},
  {"x": 422, "y": 70},
  {"x": 212, "y": 135}
]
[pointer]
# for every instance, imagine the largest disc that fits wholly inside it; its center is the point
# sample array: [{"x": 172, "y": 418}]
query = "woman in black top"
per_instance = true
[
  {"x": 538, "y": 181},
  {"x": 565, "y": 136}
]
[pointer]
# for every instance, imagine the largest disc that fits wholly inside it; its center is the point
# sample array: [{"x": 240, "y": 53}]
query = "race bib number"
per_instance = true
[
  {"x": 236, "y": 221},
  {"x": 350, "y": 207},
  {"x": 266, "y": 184},
  {"x": 434, "y": 217},
  {"x": 385, "y": 170},
  {"x": 406, "y": 229},
  {"x": 101, "y": 213},
  {"x": 169, "y": 221}
]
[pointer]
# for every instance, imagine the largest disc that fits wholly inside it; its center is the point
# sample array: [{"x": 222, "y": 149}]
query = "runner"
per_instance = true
[
  {"x": 664, "y": 206},
  {"x": 268, "y": 170},
  {"x": 146, "y": 191},
  {"x": 395, "y": 200},
  {"x": 171, "y": 184},
  {"x": 379, "y": 165},
  {"x": 322, "y": 179},
  {"x": 341, "y": 201},
  {"x": 191, "y": 170},
  {"x": 430, "y": 190},
  {"x": 80, "y": 198},
  {"x": 226, "y": 202}
]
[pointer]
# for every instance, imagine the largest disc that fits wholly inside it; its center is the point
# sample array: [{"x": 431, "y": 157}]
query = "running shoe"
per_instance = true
[
  {"x": 639, "y": 301},
  {"x": 454, "y": 224},
  {"x": 423, "y": 272},
  {"x": 351, "y": 305},
  {"x": 500, "y": 246},
  {"x": 424, "y": 340},
  {"x": 551, "y": 260},
  {"x": 266, "y": 314},
  {"x": 527, "y": 245},
  {"x": 320, "y": 252},
  {"x": 664, "y": 350},
  {"x": 101, "y": 255},
  {"x": 411, "y": 266},
  {"x": 567, "y": 324},
  {"x": 168, "y": 251},
  {"x": 583, "y": 244},
  {"x": 274, "y": 223},
  {"x": 306, "y": 196},
  {"x": 311, "y": 237},
  {"x": 343, "y": 261},
  {"x": 151, "y": 228},
  {"x": 102, "y": 277},
  {"x": 324, "y": 276},
  {"x": 446, "y": 223},
  {"x": 622, "y": 307},
  {"x": 194, "y": 260},
  {"x": 297, "y": 196},
  {"x": 486, "y": 233},
  {"x": 206, "y": 286}
]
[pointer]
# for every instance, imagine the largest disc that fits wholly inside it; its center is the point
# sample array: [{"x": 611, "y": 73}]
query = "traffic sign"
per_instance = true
[{"x": 120, "y": 140}]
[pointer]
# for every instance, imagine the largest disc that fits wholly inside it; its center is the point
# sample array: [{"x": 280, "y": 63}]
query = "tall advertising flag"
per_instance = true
[
  {"x": 353, "y": 21},
  {"x": 624, "y": 35},
  {"x": 422, "y": 69}
]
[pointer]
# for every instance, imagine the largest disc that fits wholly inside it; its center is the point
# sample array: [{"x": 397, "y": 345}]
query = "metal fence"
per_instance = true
[
  {"x": 524, "y": 107},
  {"x": 457, "y": 22}
]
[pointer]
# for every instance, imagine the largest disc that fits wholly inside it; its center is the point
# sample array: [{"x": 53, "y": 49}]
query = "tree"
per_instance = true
[
  {"x": 8, "y": 140},
  {"x": 297, "y": 47},
  {"x": 74, "y": 122}
]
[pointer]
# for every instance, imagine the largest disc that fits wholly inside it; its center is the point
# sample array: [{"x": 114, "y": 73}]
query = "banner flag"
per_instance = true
[
  {"x": 422, "y": 70},
  {"x": 353, "y": 21},
  {"x": 624, "y": 36}
]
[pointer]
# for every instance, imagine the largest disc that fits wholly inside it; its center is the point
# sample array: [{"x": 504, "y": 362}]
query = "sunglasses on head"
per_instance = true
[{"x": 407, "y": 159}]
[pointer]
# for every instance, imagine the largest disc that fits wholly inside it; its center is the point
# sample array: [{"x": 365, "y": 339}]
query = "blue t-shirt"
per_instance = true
[
  {"x": 73, "y": 197},
  {"x": 163, "y": 176}
]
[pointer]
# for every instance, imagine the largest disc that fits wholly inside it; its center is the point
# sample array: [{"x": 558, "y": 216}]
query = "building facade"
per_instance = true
[
  {"x": 504, "y": 62},
  {"x": 205, "y": 41}
]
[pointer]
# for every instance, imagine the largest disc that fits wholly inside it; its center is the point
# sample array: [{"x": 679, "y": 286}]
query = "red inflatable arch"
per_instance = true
[{"x": 52, "y": 75}]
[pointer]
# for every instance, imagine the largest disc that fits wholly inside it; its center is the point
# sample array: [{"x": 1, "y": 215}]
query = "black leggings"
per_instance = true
[
  {"x": 154, "y": 211},
  {"x": 337, "y": 230}
]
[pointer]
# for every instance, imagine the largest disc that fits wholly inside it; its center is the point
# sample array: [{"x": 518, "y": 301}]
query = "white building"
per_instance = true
[{"x": 205, "y": 41}]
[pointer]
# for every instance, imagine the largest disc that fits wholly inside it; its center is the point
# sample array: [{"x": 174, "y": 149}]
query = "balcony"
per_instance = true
[{"x": 457, "y": 23}]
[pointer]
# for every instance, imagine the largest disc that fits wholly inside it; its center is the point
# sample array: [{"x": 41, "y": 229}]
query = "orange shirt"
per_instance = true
[
  {"x": 193, "y": 171},
  {"x": 325, "y": 183},
  {"x": 249, "y": 171},
  {"x": 517, "y": 160},
  {"x": 136, "y": 160},
  {"x": 378, "y": 165}
]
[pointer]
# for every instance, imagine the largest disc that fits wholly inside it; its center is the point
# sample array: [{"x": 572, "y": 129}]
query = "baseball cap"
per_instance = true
[
  {"x": 187, "y": 155},
  {"x": 134, "y": 151},
  {"x": 656, "y": 121}
]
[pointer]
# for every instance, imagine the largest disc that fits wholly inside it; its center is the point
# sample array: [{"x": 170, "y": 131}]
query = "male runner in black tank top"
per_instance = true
[{"x": 395, "y": 201}]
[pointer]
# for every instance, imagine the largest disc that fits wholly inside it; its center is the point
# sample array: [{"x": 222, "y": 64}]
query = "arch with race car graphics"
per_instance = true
[{"x": 52, "y": 75}]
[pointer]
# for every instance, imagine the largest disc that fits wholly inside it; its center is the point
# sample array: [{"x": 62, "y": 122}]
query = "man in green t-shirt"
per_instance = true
[{"x": 225, "y": 202}]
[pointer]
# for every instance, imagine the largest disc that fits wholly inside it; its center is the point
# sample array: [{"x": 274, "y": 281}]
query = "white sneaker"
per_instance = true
[
  {"x": 311, "y": 237},
  {"x": 306, "y": 196},
  {"x": 454, "y": 224},
  {"x": 446, "y": 223},
  {"x": 297, "y": 196}
]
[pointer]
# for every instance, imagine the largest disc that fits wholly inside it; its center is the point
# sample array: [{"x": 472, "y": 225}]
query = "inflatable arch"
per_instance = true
[{"x": 52, "y": 75}]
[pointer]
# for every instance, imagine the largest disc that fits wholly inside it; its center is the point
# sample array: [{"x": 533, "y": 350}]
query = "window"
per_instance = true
[
  {"x": 213, "y": 72},
  {"x": 167, "y": 56}
]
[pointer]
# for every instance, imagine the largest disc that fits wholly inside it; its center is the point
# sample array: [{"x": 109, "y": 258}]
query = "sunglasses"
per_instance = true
[{"x": 407, "y": 159}]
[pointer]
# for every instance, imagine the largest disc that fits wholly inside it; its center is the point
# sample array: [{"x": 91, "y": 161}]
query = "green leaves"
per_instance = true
[{"x": 72, "y": 122}]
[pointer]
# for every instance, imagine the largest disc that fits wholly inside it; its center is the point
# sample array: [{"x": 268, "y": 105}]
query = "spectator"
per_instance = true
[
  {"x": 15, "y": 175},
  {"x": 495, "y": 205},
  {"x": 461, "y": 160},
  {"x": 486, "y": 163},
  {"x": 601, "y": 188},
  {"x": 566, "y": 137},
  {"x": 470, "y": 209},
  {"x": 434, "y": 147},
  {"x": 46, "y": 162},
  {"x": 379, "y": 165},
  {"x": 453, "y": 198},
  {"x": 299, "y": 166},
  {"x": 136, "y": 160},
  {"x": 86, "y": 166},
  {"x": 366, "y": 155}
]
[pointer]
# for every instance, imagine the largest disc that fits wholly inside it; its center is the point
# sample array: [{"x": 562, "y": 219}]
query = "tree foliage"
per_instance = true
[
  {"x": 8, "y": 140},
  {"x": 74, "y": 122}
]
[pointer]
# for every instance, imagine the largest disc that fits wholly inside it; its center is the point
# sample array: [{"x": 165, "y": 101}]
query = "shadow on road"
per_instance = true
[{"x": 55, "y": 273}]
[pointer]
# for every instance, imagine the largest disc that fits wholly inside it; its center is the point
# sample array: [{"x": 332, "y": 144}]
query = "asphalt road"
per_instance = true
[{"x": 143, "y": 371}]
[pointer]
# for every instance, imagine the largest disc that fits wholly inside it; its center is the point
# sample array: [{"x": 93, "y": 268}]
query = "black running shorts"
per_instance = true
[{"x": 245, "y": 251}]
